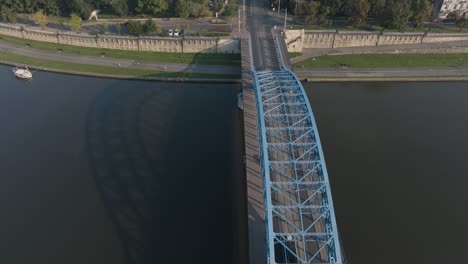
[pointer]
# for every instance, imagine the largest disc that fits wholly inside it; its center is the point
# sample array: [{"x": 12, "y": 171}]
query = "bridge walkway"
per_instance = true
[{"x": 254, "y": 177}]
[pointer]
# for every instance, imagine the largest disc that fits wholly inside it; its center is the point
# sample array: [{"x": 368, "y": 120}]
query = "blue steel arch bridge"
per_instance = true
[{"x": 300, "y": 224}]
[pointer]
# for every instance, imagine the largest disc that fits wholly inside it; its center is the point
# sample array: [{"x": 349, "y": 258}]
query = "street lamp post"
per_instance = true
[
  {"x": 239, "y": 19},
  {"x": 279, "y": 4},
  {"x": 285, "y": 17}
]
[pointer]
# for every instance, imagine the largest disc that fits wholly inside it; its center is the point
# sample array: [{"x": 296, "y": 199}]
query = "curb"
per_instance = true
[{"x": 386, "y": 79}]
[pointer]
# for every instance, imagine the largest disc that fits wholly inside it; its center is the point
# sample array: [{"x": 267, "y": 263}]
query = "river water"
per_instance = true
[
  {"x": 107, "y": 171},
  {"x": 110, "y": 171},
  {"x": 397, "y": 156}
]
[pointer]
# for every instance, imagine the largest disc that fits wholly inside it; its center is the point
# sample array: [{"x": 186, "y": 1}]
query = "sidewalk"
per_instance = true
[
  {"x": 455, "y": 72},
  {"x": 443, "y": 47}
]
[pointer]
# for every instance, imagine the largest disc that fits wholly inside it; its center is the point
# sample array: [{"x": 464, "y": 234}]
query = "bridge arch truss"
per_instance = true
[{"x": 300, "y": 219}]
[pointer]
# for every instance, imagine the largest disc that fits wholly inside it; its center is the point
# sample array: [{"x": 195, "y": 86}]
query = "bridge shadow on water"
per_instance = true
[{"x": 162, "y": 163}]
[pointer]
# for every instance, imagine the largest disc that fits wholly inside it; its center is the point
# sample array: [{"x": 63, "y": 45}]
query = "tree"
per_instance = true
[
  {"x": 150, "y": 27},
  {"x": 152, "y": 6},
  {"x": 422, "y": 10},
  {"x": 310, "y": 11},
  {"x": 322, "y": 15},
  {"x": 398, "y": 14},
  {"x": 459, "y": 17},
  {"x": 217, "y": 5},
  {"x": 199, "y": 10},
  {"x": 49, "y": 6},
  {"x": 7, "y": 14},
  {"x": 376, "y": 7},
  {"x": 75, "y": 22},
  {"x": 40, "y": 18},
  {"x": 333, "y": 7},
  {"x": 182, "y": 8},
  {"x": 120, "y": 7},
  {"x": 229, "y": 10},
  {"x": 135, "y": 28},
  {"x": 357, "y": 11},
  {"x": 81, "y": 8}
]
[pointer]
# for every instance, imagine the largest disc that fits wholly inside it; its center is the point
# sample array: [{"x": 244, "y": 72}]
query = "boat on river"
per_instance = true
[{"x": 22, "y": 72}]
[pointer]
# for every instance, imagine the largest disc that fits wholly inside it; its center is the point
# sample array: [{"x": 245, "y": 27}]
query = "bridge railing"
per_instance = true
[
  {"x": 264, "y": 160},
  {"x": 282, "y": 50}
]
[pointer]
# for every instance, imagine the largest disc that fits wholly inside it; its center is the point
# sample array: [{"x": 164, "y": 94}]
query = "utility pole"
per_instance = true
[
  {"x": 279, "y": 6},
  {"x": 285, "y": 17},
  {"x": 238, "y": 19}
]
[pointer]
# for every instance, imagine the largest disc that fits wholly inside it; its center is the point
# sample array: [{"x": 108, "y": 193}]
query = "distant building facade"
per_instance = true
[{"x": 453, "y": 5}]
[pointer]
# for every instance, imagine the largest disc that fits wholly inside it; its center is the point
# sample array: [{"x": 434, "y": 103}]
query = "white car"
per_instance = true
[
  {"x": 170, "y": 32},
  {"x": 175, "y": 33}
]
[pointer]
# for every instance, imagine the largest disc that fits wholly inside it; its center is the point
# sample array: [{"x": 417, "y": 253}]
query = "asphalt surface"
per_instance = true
[
  {"x": 258, "y": 24},
  {"x": 104, "y": 61},
  {"x": 382, "y": 72},
  {"x": 260, "y": 21},
  {"x": 442, "y": 47}
]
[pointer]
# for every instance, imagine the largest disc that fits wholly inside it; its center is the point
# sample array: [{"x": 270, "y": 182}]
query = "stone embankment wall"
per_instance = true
[
  {"x": 161, "y": 44},
  {"x": 297, "y": 40}
]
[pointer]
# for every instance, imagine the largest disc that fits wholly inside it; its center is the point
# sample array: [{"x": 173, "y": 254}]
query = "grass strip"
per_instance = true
[
  {"x": 386, "y": 60},
  {"x": 148, "y": 56},
  {"x": 294, "y": 54},
  {"x": 87, "y": 68}
]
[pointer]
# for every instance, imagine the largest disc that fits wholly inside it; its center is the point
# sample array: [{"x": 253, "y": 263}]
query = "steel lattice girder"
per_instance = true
[{"x": 301, "y": 225}]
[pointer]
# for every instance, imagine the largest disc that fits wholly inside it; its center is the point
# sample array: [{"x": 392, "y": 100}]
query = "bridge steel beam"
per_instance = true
[{"x": 300, "y": 219}]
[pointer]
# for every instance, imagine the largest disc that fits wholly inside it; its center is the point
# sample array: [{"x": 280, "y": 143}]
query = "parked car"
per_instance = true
[
  {"x": 175, "y": 33},
  {"x": 170, "y": 32}
]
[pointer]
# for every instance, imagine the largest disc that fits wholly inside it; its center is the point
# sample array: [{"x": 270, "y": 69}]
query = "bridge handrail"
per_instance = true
[
  {"x": 264, "y": 159},
  {"x": 252, "y": 69},
  {"x": 278, "y": 47}
]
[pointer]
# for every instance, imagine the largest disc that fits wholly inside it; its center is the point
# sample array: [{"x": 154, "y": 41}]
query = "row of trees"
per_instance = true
[
  {"x": 83, "y": 8},
  {"x": 41, "y": 20},
  {"x": 138, "y": 29},
  {"x": 388, "y": 13}
]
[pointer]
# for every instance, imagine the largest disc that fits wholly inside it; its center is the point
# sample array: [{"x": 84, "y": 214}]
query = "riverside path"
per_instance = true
[{"x": 120, "y": 63}]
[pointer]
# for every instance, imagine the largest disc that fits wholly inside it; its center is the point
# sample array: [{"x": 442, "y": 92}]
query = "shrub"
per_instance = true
[{"x": 135, "y": 28}]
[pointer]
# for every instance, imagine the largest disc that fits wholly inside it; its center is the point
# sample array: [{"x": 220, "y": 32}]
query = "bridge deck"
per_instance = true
[
  {"x": 254, "y": 178},
  {"x": 300, "y": 220},
  {"x": 291, "y": 216}
]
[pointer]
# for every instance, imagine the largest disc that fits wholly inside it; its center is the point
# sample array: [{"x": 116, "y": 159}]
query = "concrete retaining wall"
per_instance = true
[
  {"x": 299, "y": 39},
  {"x": 161, "y": 44}
]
